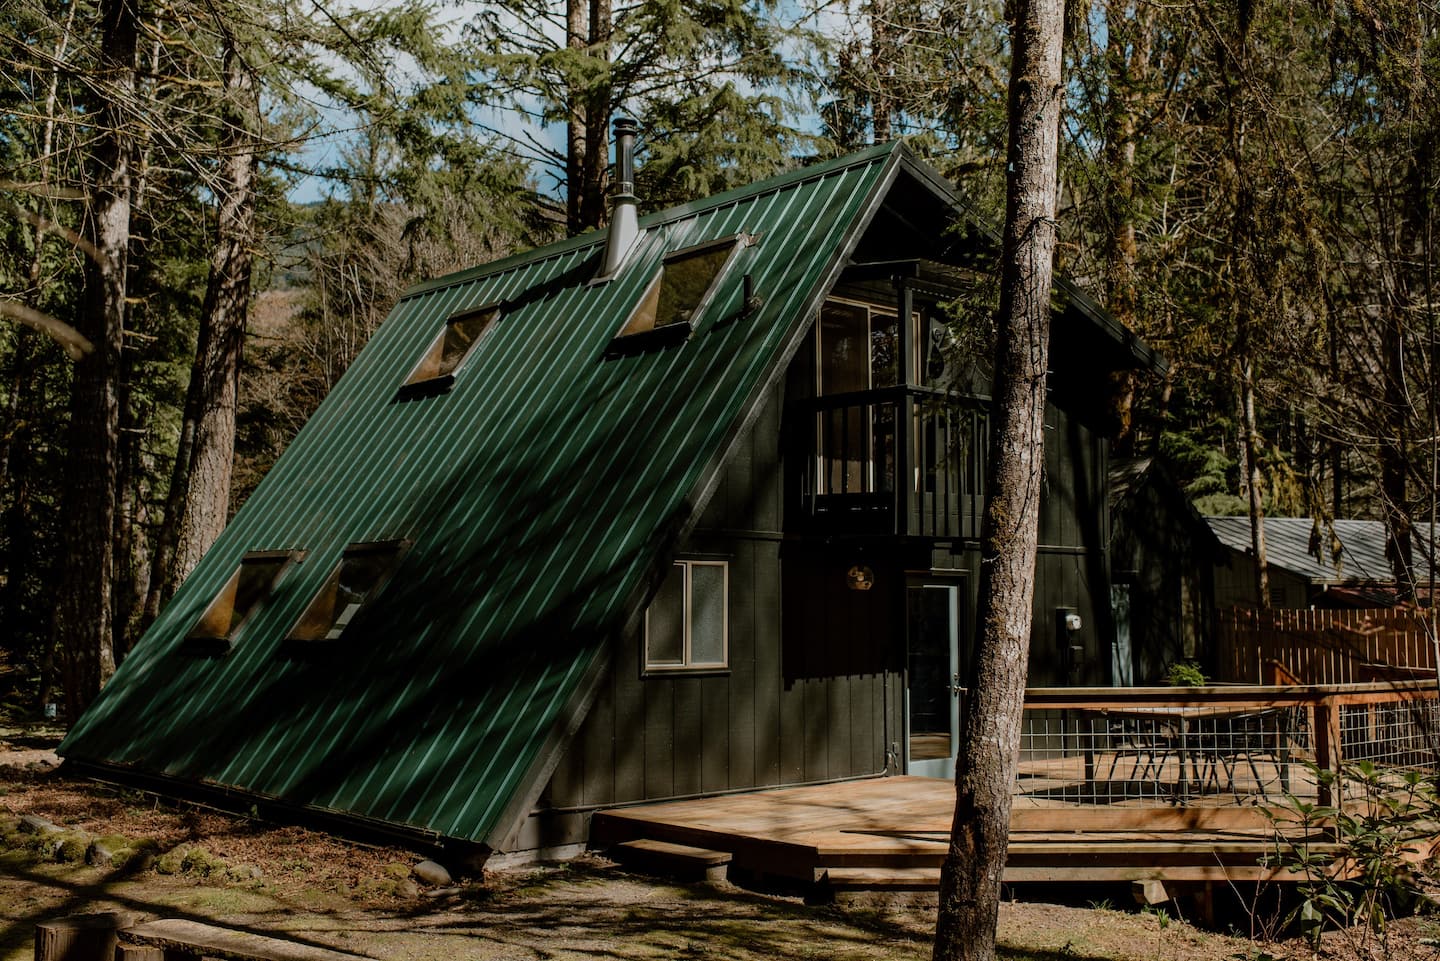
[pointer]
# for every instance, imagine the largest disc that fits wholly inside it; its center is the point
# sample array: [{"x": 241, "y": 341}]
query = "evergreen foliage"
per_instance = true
[{"x": 1252, "y": 189}]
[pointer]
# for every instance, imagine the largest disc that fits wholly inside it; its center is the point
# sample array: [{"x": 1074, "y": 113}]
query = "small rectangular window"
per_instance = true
[
  {"x": 247, "y": 587},
  {"x": 359, "y": 576},
  {"x": 686, "y": 283},
  {"x": 687, "y": 623},
  {"x": 454, "y": 344}
]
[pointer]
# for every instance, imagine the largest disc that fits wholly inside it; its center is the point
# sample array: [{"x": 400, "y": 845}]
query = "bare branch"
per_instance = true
[{"x": 62, "y": 333}]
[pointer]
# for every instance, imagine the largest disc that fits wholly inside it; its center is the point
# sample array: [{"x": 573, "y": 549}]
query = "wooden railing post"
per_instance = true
[{"x": 1328, "y": 755}]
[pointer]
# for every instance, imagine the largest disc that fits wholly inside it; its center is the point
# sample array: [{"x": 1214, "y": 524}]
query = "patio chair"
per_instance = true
[
  {"x": 1149, "y": 742},
  {"x": 1223, "y": 742}
]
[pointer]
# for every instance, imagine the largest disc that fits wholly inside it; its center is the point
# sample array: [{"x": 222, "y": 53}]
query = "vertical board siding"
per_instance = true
[
  {"x": 1322, "y": 646},
  {"x": 803, "y": 701}
]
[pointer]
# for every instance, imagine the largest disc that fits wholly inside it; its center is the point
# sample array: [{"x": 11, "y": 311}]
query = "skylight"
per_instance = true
[
  {"x": 462, "y": 333},
  {"x": 359, "y": 576},
  {"x": 247, "y": 587},
  {"x": 686, "y": 283}
]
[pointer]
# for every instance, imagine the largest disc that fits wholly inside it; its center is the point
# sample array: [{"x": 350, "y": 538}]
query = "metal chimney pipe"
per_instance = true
[
  {"x": 624, "y": 208},
  {"x": 625, "y": 130}
]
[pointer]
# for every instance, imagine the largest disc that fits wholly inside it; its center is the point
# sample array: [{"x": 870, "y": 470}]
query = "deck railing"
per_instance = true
[{"x": 1218, "y": 746}]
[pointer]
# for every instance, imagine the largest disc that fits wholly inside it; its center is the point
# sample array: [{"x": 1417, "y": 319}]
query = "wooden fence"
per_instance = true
[{"x": 1323, "y": 646}]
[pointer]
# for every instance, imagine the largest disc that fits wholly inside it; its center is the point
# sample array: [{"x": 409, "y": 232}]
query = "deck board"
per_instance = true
[{"x": 895, "y": 830}]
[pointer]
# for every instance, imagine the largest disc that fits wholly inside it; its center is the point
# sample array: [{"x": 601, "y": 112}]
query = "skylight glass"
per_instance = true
[
  {"x": 461, "y": 335},
  {"x": 358, "y": 577},
  {"x": 246, "y": 588},
  {"x": 686, "y": 283}
]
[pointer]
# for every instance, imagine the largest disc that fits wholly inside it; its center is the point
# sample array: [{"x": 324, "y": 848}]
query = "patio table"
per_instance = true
[{"x": 1186, "y": 722}]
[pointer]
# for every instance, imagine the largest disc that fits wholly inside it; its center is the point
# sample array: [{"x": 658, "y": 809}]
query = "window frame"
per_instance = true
[
  {"x": 869, "y": 479},
  {"x": 400, "y": 547},
  {"x": 442, "y": 382},
  {"x": 687, "y": 664},
  {"x": 873, "y": 309},
  {"x": 680, "y": 329},
  {"x": 195, "y": 636}
]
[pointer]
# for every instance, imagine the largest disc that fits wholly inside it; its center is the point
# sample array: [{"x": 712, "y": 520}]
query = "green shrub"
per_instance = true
[
  {"x": 1185, "y": 674},
  {"x": 1380, "y": 829}
]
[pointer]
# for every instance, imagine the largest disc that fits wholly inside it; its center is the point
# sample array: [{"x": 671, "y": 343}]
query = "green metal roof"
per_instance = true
[{"x": 541, "y": 495}]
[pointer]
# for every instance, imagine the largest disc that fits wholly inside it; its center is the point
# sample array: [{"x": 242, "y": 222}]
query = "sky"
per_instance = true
[{"x": 336, "y": 127}]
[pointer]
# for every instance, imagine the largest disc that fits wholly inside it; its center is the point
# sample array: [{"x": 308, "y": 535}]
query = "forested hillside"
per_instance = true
[{"x": 1249, "y": 186}]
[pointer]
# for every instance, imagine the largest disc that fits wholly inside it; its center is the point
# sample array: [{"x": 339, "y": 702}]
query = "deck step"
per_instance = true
[{"x": 665, "y": 857}]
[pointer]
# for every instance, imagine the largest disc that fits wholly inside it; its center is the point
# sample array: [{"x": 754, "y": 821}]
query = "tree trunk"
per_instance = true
[
  {"x": 1127, "y": 56},
  {"x": 588, "y": 27},
  {"x": 1254, "y": 482},
  {"x": 882, "y": 59},
  {"x": 577, "y": 32},
  {"x": 81, "y": 627},
  {"x": 198, "y": 503},
  {"x": 597, "y": 119},
  {"x": 990, "y": 746},
  {"x": 1395, "y": 456}
]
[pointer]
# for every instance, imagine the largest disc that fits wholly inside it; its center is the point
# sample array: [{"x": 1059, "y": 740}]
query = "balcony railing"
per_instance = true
[{"x": 894, "y": 461}]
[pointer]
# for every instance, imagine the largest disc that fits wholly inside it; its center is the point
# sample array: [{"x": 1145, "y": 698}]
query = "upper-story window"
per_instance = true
[
  {"x": 251, "y": 583},
  {"x": 361, "y": 573},
  {"x": 857, "y": 347},
  {"x": 686, "y": 284},
  {"x": 452, "y": 347}
]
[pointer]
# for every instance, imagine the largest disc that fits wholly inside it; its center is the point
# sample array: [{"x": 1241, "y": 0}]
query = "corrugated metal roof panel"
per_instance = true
[
  {"x": 1287, "y": 545},
  {"x": 535, "y": 493}
]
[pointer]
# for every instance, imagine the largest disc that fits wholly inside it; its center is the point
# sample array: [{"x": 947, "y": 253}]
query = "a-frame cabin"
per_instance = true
[{"x": 676, "y": 509}]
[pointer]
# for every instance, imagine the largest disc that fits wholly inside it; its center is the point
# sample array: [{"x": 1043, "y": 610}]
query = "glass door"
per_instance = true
[
  {"x": 1122, "y": 660},
  {"x": 933, "y": 665}
]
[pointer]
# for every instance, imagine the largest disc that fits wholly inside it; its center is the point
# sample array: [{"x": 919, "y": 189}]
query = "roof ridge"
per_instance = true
[{"x": 693, "y": 208}]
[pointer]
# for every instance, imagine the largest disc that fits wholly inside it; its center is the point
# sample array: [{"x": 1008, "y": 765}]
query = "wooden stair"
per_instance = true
[{"x": 676, "y": 860}]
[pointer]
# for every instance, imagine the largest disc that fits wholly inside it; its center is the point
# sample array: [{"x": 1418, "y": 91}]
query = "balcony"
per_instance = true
[{"x": 859, "y": 444}]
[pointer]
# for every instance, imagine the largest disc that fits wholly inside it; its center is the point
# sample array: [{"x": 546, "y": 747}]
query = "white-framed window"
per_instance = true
[{"x": 687, "y": 626}]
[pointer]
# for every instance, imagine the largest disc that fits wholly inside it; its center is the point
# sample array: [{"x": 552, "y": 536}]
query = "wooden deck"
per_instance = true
[
  {"x": 892, "y": 833},
  {"x": 1116, "y": 784}
]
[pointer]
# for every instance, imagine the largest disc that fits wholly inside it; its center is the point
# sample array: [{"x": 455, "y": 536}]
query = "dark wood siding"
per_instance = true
[
  {"x": 814, "y": 686},
  {"x": 811, "y": 692},
  {"x": 1162, "y": 551}
]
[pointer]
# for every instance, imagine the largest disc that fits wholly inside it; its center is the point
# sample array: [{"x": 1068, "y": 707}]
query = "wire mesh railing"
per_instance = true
[{"x": 1210, "y": 747}]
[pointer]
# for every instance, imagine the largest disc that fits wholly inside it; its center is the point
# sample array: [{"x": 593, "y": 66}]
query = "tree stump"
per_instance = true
[{"x": 83, "y": 937}]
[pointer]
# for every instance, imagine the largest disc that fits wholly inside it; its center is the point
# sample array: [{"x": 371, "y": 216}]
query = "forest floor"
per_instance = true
[{"x": 169, "y": 860}]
